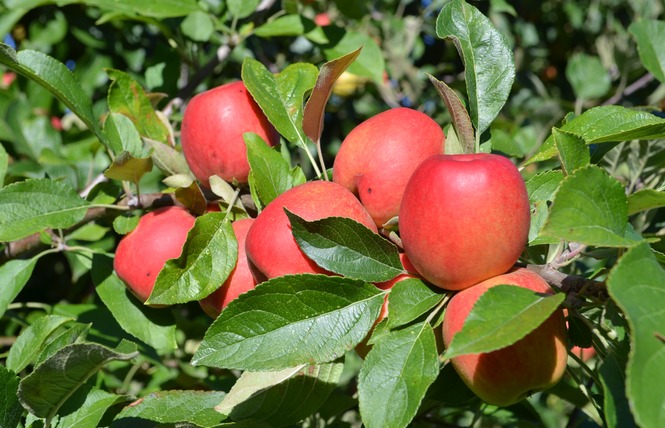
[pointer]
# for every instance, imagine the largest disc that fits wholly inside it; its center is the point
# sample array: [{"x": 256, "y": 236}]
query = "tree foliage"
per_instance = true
[{"x": 91, "y": 101}]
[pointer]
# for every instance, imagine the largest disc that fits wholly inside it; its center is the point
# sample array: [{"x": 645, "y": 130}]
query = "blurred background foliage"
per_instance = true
[{"x": 570, "y": 55}]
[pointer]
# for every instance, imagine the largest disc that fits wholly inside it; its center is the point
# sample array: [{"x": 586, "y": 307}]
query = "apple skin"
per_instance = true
[
  {"x": 142, "y": 253},
  {"x": 212, "y": 128},
  {"x": 378, "y": 156},
  {"x": 239, "y": 281},
  {"x": 272, "y": 250},
  {"x": 506, "y": 376},
  {"x": 464, "y": 218}
]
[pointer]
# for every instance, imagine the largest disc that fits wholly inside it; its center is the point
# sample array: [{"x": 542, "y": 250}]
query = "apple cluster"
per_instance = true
[{"x": 463, "y": 222}]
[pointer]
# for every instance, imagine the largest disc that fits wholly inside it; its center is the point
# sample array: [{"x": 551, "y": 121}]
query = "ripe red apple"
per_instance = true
[
  {"x": 212, "y": 129},
  {"x": 464, "y": 218},
  {"x": 378, "y": 156},
  {"x": 141, "y": 254},
  {"x": 506, "y": 376},
  {"x": 271, "y": 248},
  {"x": 239, "y": 281}
]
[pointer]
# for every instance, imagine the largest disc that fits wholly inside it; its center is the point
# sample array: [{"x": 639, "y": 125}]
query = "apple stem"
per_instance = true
[
  {"x": 232, "y": 202},
  {"x": 312, "y": 161},
  {"x": 323, "y": 164},
  {"x": 438, "y": 307}
]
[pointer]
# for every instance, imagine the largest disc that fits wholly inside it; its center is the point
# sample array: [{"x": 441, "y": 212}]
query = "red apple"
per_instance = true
[
  {"x": 141, "y": 254},
  {"x": 506, "y": 376},
  {"x": 271, "y": 248},
  {"x": 378, "y": 156},
  {"x": 322, "y": 19},
  {"x": 239, "y": 281},
  {"x": 212, "y": 132},
  {"x": 464, "y": 218}
]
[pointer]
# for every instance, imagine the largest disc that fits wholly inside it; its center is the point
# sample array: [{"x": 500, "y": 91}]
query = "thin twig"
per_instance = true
[
  {"x": 630, "y": 89},
  {"x": 574, "y": 286}
]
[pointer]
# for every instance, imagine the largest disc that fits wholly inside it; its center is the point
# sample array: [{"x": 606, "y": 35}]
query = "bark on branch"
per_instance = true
[{"x": 576, "y": 287}]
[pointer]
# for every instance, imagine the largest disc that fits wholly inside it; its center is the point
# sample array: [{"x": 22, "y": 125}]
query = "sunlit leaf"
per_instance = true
[
  {"x": 34, "y": 205},
  {"x": 490, "y": 326},
  {"x": 637, "y": 284},
  {"x": 291, "y": 320},
  {"x": 489, "y": 67}
]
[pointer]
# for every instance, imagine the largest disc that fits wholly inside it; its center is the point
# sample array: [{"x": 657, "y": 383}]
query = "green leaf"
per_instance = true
[
  {"x": 208, "y": 257},
  {"x": 606, "y": 124},
  {"x": 123, "y": 225},
  {"x": 91, "y": 232},
  {"x": 288, "y": 25},
  {"x": 637, "y": 284},
  {"x": 76, "y": 332},
  {"x": 650, "y": 38},
  {"x": 167, "y": 159},
  {"x": 156, "y": 327},
  {"x": 461, "y": 120},
  {"x": 316, "y": 104},
  {"x": 645, "y": 199},
  {"x": 541, "y": 187},
  {"x": 587, "y": 76},
  {"x": 270, "y": 174},
  {"x": 573, "y": 153},
  {"x": 491, "y": 326},
  {"x": 192, "y": 198},
  {"x": 170, "y": 407},
  {"x": 591, "y": 208},
  {"x": 489, "y": 67},
  {"x": 612, "y": 372},
  {"x": 4, "y": 162},
  {"x": 281, "y": 398},
  {"x": 32, "y": 340},
  {"x": 281, "y": 322},
  {"x": 198, "y": 26},
  {"x": 44, "y": 390},
  {"x": 57, "y": 79},
  {"x": 123, "y": 135},
  {"x": 34, "y": 205},
  {"x": 125, "y": 167},
  {"x": 409, "y": 299},
  {"x": 149, "y": 8},
  {"x": 539, "y": 216},
  {"x": 370, "y": 63},
  {"x": 10, "y": 408},
  {"x": 242, "y": 8},
  {"x": 281, "y": 96},
  {"x": 346, "y": 247},
  {"x": 86, "y": 407},
  {"x": 395, "y": 376},
  {"x": 14, "y": 274},
  {"x": 127, "y": 97}
]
